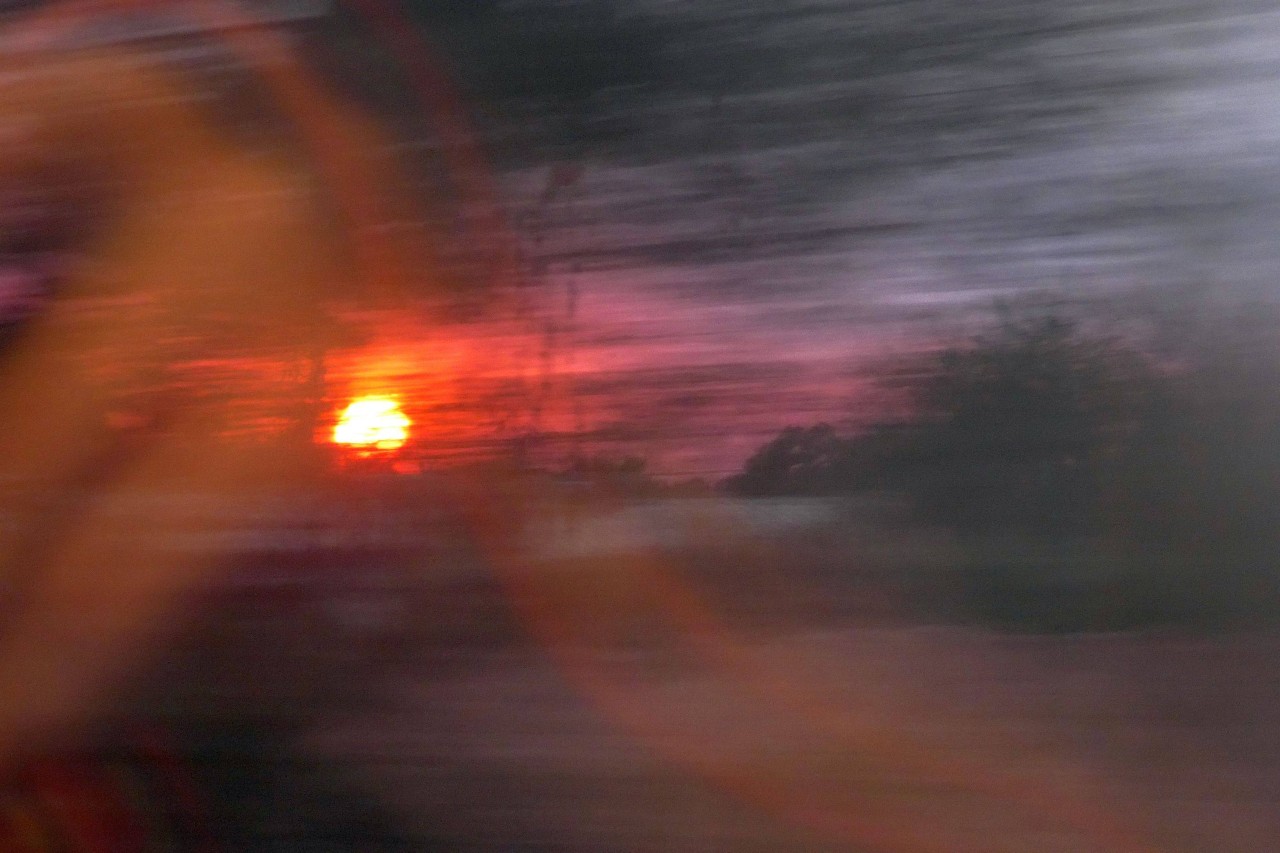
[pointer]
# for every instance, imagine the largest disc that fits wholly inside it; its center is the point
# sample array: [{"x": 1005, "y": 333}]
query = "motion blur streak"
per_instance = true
[
  {"x": 184, "y": 245},
  {"x": 219, "y": 289},
  {"x": 341, "y": 143},
  {"x": 568, "y": 611}
]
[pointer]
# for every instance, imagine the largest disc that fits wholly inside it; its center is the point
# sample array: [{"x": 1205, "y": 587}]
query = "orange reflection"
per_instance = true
[{"x": 372, "y": 423}]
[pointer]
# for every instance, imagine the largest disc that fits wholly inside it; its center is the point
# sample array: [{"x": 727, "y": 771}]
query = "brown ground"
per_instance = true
[{"x": 775, "y": 730}]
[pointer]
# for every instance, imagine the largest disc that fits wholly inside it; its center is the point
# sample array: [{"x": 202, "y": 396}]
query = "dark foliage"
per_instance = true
[
  {"x": 1091, "y": 486},
  {"x": 1030, "y": 427},
  {"x": 800, "y": 461}
]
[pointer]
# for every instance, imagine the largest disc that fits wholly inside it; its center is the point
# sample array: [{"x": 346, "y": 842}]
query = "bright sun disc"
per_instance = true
[{"x": 372, "y": 423}]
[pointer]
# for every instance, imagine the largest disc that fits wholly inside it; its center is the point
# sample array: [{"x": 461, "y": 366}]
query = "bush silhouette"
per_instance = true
[{"x": 1088, "y": 484}]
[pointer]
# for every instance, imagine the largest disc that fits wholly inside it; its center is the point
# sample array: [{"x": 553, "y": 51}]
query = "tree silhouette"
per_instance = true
[
  {"x": 799, "y": 461},
  {"x": 1034, "y": 425},
  {"x": 1030, "y": 427}
]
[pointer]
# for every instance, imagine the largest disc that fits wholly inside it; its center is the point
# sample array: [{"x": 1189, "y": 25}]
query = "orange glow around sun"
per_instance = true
[{"x": 372, "y": 423}]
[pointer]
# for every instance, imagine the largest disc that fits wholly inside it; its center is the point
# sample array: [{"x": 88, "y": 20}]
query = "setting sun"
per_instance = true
[{"x": 372, "y": 423}]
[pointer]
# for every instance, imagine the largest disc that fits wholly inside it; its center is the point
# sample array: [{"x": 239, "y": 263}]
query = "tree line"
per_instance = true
[{"x": 1040, "y": 429}]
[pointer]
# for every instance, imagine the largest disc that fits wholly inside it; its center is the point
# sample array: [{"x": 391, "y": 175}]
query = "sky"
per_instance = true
[
  {"x": 731, "y": 213},
  {"x": 774, "y": 198}
]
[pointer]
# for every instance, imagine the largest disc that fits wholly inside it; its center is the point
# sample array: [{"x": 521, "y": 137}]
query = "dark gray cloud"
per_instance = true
[
  {"x": 796, "y": 178},
  {"x": 933, "y": 145}
]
